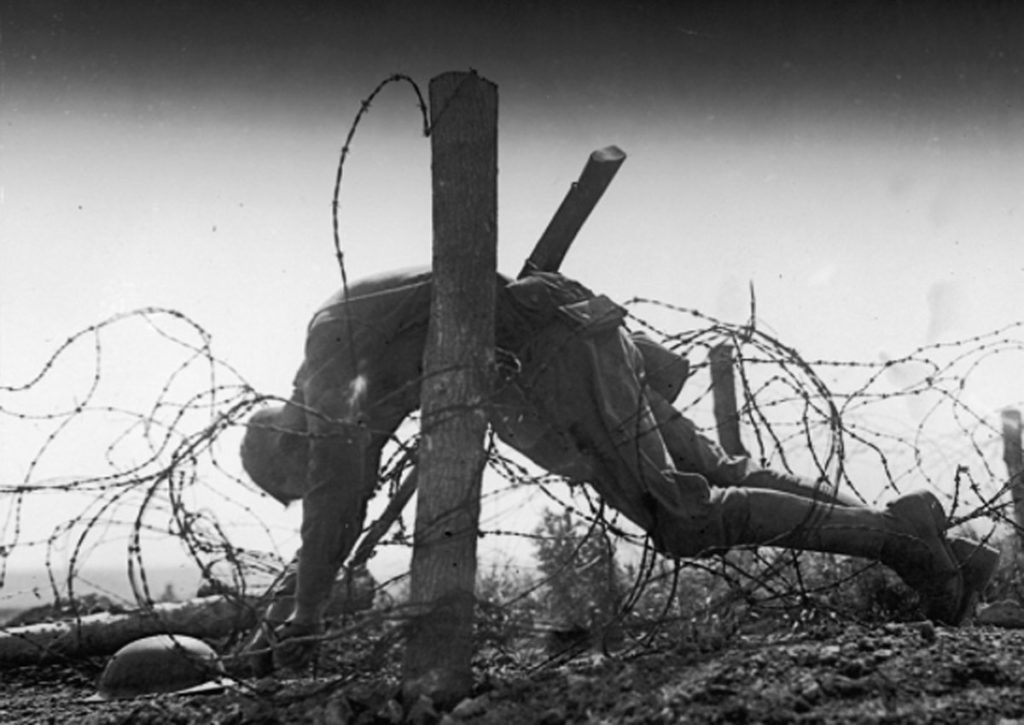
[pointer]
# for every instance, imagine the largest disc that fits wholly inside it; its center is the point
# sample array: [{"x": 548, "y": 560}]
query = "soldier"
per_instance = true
[{"x": 584, "y": 399}]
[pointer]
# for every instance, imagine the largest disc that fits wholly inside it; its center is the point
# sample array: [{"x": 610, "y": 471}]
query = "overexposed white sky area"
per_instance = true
[{"x": 865, "y": 176}]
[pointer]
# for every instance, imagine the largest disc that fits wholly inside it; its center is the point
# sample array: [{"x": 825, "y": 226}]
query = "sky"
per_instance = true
[{"x": 859, "y": 164}]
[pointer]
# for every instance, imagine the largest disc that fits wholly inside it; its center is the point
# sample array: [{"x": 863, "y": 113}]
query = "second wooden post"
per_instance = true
[
  {"x": 723, "y": 392},
  {"x": 1014, "y": 460}
]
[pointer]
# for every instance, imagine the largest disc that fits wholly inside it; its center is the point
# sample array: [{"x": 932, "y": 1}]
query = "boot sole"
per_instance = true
[
  {"x": 923, "y": 511},
  {"x": 978, "y": 564}
]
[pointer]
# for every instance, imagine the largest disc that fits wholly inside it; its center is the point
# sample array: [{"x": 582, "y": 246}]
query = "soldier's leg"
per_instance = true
[
  {"x": 692, "y": 451},
  {"x": 591, "y": 389},
  {"x": 906, "y": 536}
]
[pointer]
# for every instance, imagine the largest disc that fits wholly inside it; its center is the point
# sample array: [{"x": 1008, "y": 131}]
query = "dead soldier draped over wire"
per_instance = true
[{"x": 590, "y": 401}]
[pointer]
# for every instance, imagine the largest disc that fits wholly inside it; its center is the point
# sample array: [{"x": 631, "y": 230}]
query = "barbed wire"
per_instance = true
[
  {"x": 163, "y": 476},
  {"x": 178, "y": 476},
  {"x": 346, "y": 149}
]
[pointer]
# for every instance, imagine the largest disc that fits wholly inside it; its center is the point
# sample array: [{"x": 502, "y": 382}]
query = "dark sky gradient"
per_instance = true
[
  {"x": 880, "y": 57},
  {"x": 193, "y": 110}
]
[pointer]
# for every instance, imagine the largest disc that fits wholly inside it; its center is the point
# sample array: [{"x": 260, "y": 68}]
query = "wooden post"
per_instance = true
[
  {"x": 1012, "y": 457},
  {"x": 723, "y": 391},
  {"x": 583, "y": 196},
  {"x": 457, "y": 379}
]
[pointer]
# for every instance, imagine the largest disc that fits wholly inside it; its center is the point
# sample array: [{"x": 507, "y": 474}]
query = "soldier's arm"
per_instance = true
[{"x": 334, "y": 501}]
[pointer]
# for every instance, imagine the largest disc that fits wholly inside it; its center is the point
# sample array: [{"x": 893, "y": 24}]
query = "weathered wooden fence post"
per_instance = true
[
  {"x": 457, "y": 380},
  {"x": 1014, "y": 461},
  {"x": 723, "y": 393}
]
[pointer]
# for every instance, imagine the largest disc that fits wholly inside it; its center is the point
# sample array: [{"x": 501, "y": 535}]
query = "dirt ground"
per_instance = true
[{"x": 892, "y": 673}]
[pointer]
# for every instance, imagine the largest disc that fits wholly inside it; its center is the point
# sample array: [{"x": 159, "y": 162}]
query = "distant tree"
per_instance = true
[
  {"x": 169, "y": 594},
  {"x": 583, "y": 580}
]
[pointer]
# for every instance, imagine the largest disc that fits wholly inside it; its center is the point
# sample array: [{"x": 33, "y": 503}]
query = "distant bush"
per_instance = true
[
  {"x": 583, "y": 583},
  {"x": 66, "y": 609}
]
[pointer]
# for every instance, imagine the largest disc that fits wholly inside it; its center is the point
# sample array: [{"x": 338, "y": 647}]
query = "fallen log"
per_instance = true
[
  {"x": 208, "y": 618},
  {"x": 104, "y": 633}
]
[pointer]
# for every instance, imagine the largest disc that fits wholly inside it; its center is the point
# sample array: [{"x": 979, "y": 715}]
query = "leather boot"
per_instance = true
[
  {"x": 923, "y": 557},
  {"x": 906, "y": 536},
  {"x": 978, "y": 564}
]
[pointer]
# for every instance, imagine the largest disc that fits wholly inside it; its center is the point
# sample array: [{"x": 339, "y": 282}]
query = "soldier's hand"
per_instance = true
[
  {"x": 258, "y": 651},
  {"x": 295, "y": 643},
  {"x": 258, "y": 654}
]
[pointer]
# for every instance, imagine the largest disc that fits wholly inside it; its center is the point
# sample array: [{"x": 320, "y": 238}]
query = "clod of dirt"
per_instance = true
[
  {"x": 1006, "y": 613},
  {"x": 927, "y": 630}
]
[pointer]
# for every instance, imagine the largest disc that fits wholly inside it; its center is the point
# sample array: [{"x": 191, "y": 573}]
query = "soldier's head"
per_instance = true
[{"x": 274, "y": 452}]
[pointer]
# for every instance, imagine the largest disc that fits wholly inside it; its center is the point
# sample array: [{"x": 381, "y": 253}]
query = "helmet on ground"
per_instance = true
[{"x": 160, "y": 663}]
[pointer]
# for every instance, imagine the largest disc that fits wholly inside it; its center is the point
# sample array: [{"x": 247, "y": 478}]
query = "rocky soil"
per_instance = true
[{"x": 892, "y": 673}]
